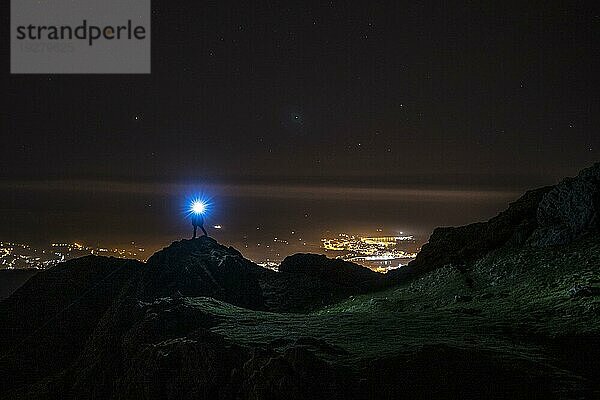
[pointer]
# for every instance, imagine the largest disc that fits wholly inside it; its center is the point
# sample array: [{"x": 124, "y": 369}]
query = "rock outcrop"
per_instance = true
[
  {"x": 552, "y": 215},
  {"x": 203, "y": 267},
  {"x": 338, "y": 272},
  {"x": 461, "y": 245},
  {"x": 568, "y": 211},
  {"x": 307, "y": 281}
]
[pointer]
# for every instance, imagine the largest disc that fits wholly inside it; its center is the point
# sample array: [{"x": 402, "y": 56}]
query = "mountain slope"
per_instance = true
[
  {"x": 515, "y": 331},
  {"x": 509, "y": 308},
  {"x": 46, "y": 322},
  {"x": 551, "y": 215},
  {"x": 12, "y": 279}
]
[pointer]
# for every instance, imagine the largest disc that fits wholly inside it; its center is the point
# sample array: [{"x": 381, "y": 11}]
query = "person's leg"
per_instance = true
[{"x": 203, "y": 230}]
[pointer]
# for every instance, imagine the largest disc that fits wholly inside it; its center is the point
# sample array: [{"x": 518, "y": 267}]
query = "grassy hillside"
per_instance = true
[
  {"x": 513, "y": 306},
  {"x": 199, "y": 321}
]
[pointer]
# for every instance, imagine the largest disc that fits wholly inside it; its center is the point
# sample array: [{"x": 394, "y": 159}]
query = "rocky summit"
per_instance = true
[{"x": 507, "y": 308}]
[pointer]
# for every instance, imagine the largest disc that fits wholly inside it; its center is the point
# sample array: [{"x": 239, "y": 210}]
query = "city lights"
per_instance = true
[{"x": 380, "y": 253}]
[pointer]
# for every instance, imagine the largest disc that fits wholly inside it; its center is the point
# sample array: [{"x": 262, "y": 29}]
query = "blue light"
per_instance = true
[
  {"x": 198, "y": 207},
  {"x": 197, "y": 204}
]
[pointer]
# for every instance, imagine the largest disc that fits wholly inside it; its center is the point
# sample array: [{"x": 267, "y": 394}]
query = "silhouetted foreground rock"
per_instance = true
[
  {"x": 45, "y": 324},
  {"x": 203, "y": 267},
  {"x": 12, "y": 279}
]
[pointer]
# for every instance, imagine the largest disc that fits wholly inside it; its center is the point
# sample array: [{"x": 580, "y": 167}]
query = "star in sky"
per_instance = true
[{"x": 297, "y": 118}]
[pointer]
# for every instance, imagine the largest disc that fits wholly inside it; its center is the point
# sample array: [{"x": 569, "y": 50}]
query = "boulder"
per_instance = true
[{"x": 335, "y": 271}]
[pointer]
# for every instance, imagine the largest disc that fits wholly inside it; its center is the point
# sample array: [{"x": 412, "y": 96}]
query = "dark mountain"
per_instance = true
[
  {"x": 12, "y": 279},
  {"x": 47, "y": 322},
  {"x": 508, "y": 308},
  {"x": 203, "y": 268},
  {"x": 552, "y": 215}
]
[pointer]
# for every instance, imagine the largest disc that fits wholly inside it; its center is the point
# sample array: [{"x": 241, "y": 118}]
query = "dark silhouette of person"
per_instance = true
[{"x": 198, "y": 221}]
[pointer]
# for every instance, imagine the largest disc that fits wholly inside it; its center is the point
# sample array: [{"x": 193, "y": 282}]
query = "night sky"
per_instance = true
[{"x": 308, "y": 117}]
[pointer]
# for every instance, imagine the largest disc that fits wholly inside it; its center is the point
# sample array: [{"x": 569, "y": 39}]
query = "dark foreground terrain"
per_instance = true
[
  {"x": 12, "y": 279},
  {"x": 507, "y": 308}
]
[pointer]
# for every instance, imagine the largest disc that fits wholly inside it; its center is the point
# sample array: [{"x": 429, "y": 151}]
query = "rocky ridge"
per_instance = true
[
  {"x": 507, "y": 308},
  {"x": 548, "y": 216}
]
